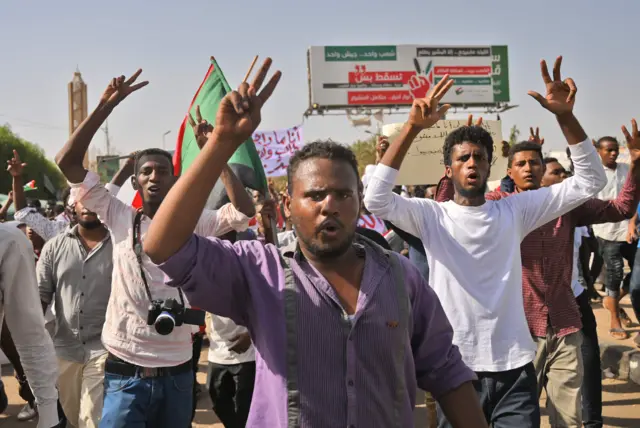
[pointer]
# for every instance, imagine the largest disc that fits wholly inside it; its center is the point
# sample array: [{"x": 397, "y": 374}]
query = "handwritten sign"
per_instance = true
[
  {"x": 276, "y": 148},
  {"x": 424, "y": 163}
]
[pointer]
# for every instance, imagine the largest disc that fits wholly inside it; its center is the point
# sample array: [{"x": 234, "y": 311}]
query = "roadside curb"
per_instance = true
[{"x": 623, "y": 361}]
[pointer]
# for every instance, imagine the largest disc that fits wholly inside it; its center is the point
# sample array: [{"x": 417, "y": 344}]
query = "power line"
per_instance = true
[{"x": 32, "y": 124}]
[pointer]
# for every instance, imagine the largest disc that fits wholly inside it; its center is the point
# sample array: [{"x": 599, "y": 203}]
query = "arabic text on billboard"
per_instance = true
[{"x": 396, "y": 75}]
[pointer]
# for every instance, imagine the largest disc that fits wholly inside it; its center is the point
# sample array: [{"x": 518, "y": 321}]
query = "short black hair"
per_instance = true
[
  {"x": 524, "y": 146},
  {"x": 550, "y": 159},
  {"x": 150, "y": 152},
  {"x": 606, "y": 139},
  {"x": 321, "y": 150},
  {"x": 472, "y": 134},
  {"x": 58, "y": 209}
]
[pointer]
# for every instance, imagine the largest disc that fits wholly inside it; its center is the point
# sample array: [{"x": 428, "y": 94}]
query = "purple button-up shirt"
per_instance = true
[{"x": 359, "y": 372}]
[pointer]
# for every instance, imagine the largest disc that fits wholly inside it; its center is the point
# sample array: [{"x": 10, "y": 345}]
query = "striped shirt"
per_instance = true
[{"x": 315, "y": 367}]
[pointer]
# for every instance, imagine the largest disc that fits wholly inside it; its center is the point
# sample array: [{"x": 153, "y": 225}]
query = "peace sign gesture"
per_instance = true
[
  {"x": 201, "y": 128},
  {"x": 561, "y": 95},
  {"x": 535, "y": 136},
  {"x": 470, "y": 121},
  {"x": 424, "y": 111},
  {"x": 15, "y": 166},
  {"x": 120, "y": 88},
  {"x": 239, "y": 113}
]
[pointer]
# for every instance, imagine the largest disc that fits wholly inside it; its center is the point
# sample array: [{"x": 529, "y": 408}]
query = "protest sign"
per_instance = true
[{"x": 276, "y": 148}]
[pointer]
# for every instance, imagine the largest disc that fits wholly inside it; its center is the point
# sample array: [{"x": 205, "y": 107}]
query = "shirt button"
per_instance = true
[
  {"x": 83, "y": 277},
  {"x": 81, "y": 328},
  {"x": 81, "y": 311},
  {"x": 350, "y": 383},
  {"x": 82, "y": 294}
]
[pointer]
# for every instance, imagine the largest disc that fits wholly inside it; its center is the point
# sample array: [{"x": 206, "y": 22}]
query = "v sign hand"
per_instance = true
[
  {"x": 120, "y": 88},
  {"x": 15, "y": 166},
  {"x": 561, "y": 95},
  {"x": 424, "y": 111},
  {"x": 240, "y": 111},
  {"x": 633, "y": 141}
]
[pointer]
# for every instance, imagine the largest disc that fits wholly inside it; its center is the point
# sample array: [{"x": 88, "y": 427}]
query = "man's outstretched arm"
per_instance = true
[{"x": 238, "y": 116}]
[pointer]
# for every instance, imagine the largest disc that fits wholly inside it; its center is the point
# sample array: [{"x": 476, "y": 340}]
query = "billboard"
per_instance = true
[
  {"x": 107, "y": 167},
  {"x": 360, "y": 76}
]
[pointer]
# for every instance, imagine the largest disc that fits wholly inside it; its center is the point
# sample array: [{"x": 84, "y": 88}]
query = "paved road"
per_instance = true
[{"x": 621, "y": 399}]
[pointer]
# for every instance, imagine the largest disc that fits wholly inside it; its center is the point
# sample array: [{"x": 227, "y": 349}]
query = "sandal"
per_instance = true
[
  {"x": 621, "y": 332},
  {"x": 624, "y": 318}
]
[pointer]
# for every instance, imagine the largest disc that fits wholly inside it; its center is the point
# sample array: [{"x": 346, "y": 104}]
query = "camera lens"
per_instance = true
[{"x": 165, "y": 323}]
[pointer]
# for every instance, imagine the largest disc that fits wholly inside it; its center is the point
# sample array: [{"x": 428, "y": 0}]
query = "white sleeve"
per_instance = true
[
  {"x": 219, "y": 222},
  {"x": 409, "y": 214},
  {"x": 538, "y": 207},
  {"x": 44, "y": 227},
  {"x": 95, "y": 197},
  {"x": 112, "y": 188},
  {"x": 24, "y": 318}
]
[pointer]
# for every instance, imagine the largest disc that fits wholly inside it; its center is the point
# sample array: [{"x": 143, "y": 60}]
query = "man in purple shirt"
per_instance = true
[{"x": 344, "y": 332}]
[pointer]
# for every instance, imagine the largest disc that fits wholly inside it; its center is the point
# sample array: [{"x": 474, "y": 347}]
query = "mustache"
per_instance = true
[{"x": 329, "y": 221}]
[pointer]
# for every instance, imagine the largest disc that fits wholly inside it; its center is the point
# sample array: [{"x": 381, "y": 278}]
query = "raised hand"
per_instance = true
[
  {"x": 240, "y": 111},
  {"x": 15, "y": 166},
  {"x": 633, "y": 141},
  {"x": 470, "y": 121},
  {"x": 201, "y": 128},
  {"x": 424, "y": 111},
  {"x": 561, "y": 95},
  {"x": 535, "y": 136},
  {"x": 120, "y": 88}
]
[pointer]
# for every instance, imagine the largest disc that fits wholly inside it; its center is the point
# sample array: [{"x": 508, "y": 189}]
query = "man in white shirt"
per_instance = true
[
  {"x": 232, "y": 371},
  {"x": 148, "y": 371},
  {"x": 612, "y": 237},
  {"x": 473, "y": 245},
  {"x": 20, "y": 308}
]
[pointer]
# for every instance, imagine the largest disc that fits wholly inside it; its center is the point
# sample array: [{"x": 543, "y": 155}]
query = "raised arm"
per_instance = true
[
  {"x": 24, "y": 318},
  {"x": 540, "y": 206},
  {"x": 71, "y": 157},
  {"x": 238, "y": 116},
  {"x": 121, "y": 176},
  {"x": 379, "y": 197},
  {"x": 15, "y": 166}
]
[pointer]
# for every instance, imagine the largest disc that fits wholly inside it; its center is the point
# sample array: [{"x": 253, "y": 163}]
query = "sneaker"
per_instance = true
[{"x": 28, "y": 412}]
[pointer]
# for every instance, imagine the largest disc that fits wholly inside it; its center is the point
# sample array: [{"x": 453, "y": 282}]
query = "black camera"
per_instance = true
[{"x": 168, "y": 314}]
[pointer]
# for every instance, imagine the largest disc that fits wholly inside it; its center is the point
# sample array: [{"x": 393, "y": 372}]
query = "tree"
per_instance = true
[
  {"x": 37, "y": 164},
  {"x": 365, "y": 151}
]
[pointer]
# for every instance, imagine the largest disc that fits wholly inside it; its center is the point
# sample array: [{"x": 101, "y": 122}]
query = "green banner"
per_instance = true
[
  {"x": 500, "y": 73},
  {"x": 107, "y": 167},
  {"x": 360, "y": 53}
]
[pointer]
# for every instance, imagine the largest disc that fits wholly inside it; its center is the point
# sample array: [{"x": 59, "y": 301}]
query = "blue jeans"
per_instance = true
[
  {"x": 159, "y": 402},
  {"x": 420, "y": 261}
]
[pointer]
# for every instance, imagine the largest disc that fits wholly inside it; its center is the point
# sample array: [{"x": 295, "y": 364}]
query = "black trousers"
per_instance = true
[
  {"x": 197, "y": 349},
  {"x": 509, "y": 399},
  {"x": 231, "y": 389},
  {"x": 592, "y": 376},
  {"x": 614, "y": 254}
]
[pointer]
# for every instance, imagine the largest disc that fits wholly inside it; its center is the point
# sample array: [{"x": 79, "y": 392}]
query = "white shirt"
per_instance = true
[
  {"x": 474, "y": 257},
  {"x": 126, "y": 333},
  {"x": 44, "y": 227},
  {"x": 615, "y": 181},
  {"x": 579, "y": 233},
  {"x": 223, "y": 330},
  {"x": 20, "y": 307}
]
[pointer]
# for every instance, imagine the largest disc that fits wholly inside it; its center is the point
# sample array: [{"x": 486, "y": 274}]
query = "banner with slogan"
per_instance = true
[
  {"x": 276, "y": 148},
  {"x": 424, "y": 163}
]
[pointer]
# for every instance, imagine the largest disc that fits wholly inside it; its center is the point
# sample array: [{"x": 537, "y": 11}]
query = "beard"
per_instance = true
[
  {"x": 471, "y": 193},
  {"x": 327, "y": 251},
  {"x": 90, "y": 225}
]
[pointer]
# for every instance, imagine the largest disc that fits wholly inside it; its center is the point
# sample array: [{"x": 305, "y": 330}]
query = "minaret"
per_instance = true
[{"x": 77, "y": 106}]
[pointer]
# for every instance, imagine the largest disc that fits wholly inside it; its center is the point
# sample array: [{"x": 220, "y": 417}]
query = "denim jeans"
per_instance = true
[
  {"x": 509, "y": 399},
  {"x": 156, "y": 402},
  {"x": 419, "y": 260},
  {"x": 614, "y": 254},
  {"x": 634, "y": 287}
]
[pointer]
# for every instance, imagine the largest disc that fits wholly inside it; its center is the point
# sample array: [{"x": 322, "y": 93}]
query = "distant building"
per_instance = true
[{"x": 77, "y": 105}]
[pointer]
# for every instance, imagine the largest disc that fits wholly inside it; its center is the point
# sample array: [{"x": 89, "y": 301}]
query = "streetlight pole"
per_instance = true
[{"x": 163, "y": 138}]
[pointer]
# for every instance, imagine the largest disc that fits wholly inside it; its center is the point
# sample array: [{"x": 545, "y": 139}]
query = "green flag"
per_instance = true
[{"x": 245, "y": 162}]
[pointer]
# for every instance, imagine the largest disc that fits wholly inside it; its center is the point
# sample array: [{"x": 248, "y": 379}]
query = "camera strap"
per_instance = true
[{"x": 137, "y": 249}]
